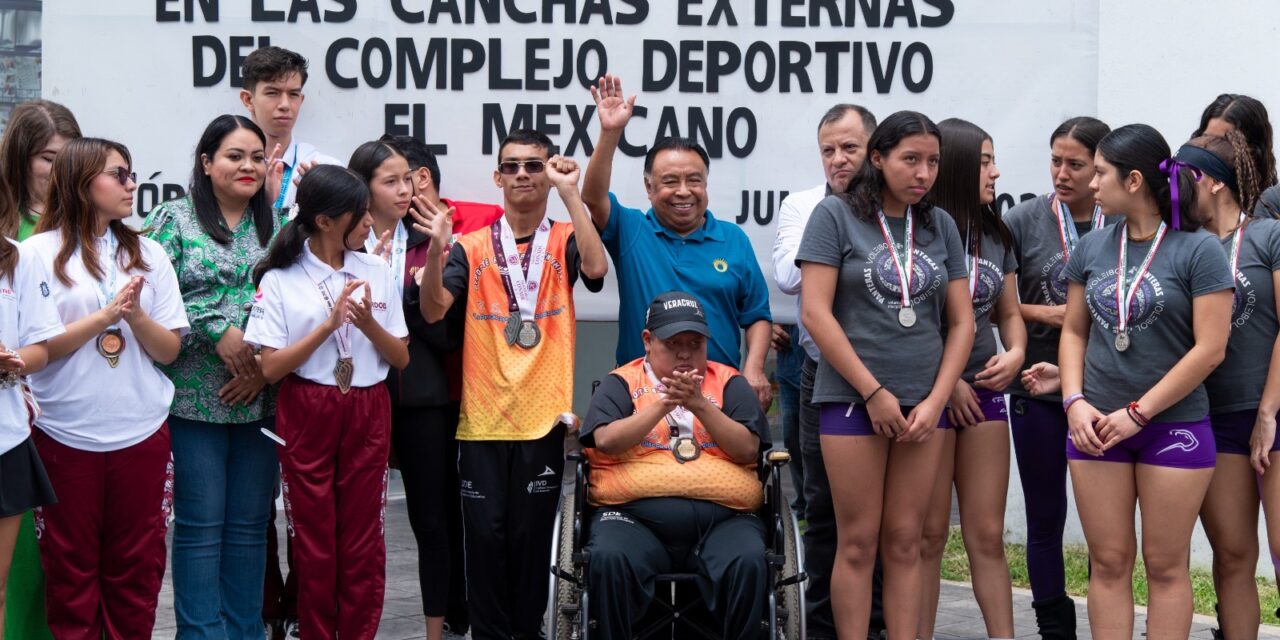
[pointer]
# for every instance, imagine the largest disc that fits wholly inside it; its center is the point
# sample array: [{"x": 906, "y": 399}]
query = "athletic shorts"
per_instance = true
[
  {"x": 1178, "y": 445},
  {"x": 852, "y": 419},
  {"x": 994, "y": 408},
  {"x": 1232, "y": 430}
]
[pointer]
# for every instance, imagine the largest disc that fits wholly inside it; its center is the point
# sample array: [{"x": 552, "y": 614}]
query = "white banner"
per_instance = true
[{"x": 747, "y": 78}]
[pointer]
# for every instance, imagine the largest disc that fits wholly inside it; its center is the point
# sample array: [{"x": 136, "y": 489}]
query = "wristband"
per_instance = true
[
  {"x": 1070, "y": 400},
  {"x": 1135, "y": 413},
  {"x": 867, "y": 400}
]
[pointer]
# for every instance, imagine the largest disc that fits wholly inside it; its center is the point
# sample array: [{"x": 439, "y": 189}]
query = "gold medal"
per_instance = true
[
  {"x": 685, "y": 449},
  {"x": 111, "y": 345},
  {"x": 342, "y": 373}
]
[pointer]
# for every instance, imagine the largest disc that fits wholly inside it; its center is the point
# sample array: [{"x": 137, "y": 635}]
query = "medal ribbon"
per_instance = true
[
  {"x": 399, "y": 247},
  {"x": 286, "y": 178},
  {"x": 343, "y": 335},
  {"x": 679, "y": 419},
  {"x": 904, "y": 271},
  {"x": 521, "y": 284},
  {"x": 1237, "y": 238},
  {"x": 1067, "y": 226},
  {"x": 1124, "y": 295},
  {"x": 106, "y": 287},
  {"x": 974, "y": 253}
]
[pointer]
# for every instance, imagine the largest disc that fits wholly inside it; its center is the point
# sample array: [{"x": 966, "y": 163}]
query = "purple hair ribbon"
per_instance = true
[{"x": 1170, "y": 167}]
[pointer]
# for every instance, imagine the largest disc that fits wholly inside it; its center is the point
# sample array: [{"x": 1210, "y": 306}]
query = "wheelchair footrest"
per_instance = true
[
  {"x": 796, "y": 579},
  {"x": 566, "y": 576}
]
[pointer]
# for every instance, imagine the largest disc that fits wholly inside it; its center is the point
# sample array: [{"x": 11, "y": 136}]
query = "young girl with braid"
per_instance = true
[
  {"x": 1236, "y": 112},
  {"x": 1244, "y": 396}
]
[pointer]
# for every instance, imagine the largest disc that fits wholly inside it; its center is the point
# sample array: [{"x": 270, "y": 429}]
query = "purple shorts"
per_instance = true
[
  {"x": 851, "y": 419},
  {"x": 1232, "y": 430},
  {"x": 994, "y": 408},
  {"x": 1179, "y": 445}
]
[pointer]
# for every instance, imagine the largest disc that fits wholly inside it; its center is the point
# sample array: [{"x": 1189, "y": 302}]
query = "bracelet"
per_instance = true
[
  {"x": 1070, "y": 400},
  {"x": 1135, "y": 414},
  {"x": 867, "y": 400}
]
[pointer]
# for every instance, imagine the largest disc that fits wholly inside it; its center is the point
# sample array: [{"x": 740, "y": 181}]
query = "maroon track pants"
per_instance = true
[
  {"x": 102, "y": 545},
  {"x": 334, "y": 479}
]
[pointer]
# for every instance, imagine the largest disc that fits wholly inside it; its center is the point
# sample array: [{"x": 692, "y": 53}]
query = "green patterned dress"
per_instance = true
[{"x": 216, "y": 281}]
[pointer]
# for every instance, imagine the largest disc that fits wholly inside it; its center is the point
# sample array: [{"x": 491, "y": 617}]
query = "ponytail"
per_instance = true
[{"x": 327, "y": 191}]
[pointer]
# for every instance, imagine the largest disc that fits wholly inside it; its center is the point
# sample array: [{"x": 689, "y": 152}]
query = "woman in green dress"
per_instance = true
[{"x": 35, "y": 133}]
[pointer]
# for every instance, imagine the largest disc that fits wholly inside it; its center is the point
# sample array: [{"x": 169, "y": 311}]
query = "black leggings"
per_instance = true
[{"x": 424, "y": 444}]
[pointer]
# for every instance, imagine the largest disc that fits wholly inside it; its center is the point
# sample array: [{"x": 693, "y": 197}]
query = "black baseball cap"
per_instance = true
[{"x": 675, "y": 312}]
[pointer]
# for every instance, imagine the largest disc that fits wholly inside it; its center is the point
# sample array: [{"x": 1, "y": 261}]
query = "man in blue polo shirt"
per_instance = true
[{"x": 676, "y": 245}]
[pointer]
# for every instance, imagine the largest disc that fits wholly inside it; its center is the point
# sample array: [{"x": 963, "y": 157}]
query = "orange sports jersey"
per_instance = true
[
  {"x": 509, "y": 392},
  {"x": 649, "y": 470}
]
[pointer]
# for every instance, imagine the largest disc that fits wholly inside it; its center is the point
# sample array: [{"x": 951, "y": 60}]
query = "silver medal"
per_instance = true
[
  {"x": 512, "y": 331},
  {"x": 1122, "y": 341},
  {"x": 907, "y": 317},
  {"x": 529, "y": 335}
]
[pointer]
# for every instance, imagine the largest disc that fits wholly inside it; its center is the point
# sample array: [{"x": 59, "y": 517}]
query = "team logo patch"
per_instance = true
[
  {"x": 720, "y": 264},
  {"x": 44, "y": 289},
  {"x": 1189, "y": 441}
]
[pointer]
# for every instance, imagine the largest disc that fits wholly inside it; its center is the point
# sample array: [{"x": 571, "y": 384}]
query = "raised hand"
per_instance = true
[
  {"x": 383, "y": 248},
  {"x": 563, "y": 172},
  {"x": 430, "y": 220},
  {"x": 275, "y": 173},
  {"x": 613, "y": 109},
  {"x": 361, "y": 313}
]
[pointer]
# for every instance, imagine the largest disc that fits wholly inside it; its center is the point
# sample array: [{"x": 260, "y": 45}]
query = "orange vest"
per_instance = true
[
  {"x": 649, "y": 470},
  {"x": 509, "y": 392}
]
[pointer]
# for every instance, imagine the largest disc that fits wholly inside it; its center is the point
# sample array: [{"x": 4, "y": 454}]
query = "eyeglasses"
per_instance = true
[
  {"x": 512, "y": 167},
  {"x": 123, "y": 175}
]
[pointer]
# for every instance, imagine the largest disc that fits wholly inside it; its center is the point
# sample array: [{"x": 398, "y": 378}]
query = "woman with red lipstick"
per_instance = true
[
  {"x": 881, "y": 265},
  {"x": 102, "y": 431},
  {"x": 224, "y": 468},
  {"x": 976, "y": 454},
  {"x": 1045, "y": 231}
]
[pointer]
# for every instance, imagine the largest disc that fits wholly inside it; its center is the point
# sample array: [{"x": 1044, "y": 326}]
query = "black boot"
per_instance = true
[
  {"x": 1217, "y": 631},
  {"x": 1056, "y": 618}
]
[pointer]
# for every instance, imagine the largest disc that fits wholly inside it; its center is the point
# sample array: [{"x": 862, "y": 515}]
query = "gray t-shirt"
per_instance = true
[
  {"x": 1237, "y": 383},
  {"x": 994, "y": 261},
  {"x": 1268, "y": 205},
  {"x": 1037, "y": 246},
  {"x": 1187, "y": 265},
  {"x": 868, "y": 297}
]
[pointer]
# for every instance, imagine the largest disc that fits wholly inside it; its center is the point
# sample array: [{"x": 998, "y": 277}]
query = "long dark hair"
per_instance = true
[
  {"x": 327, "y": 191},
  {"x": 1248, "y": 116},
  {"x": 959, "y": 173},
  {"x": 201, "y": 189},
  {"x": 31, "y": 126},
  {"x": 70, "y": 209},
  {"x": 1139, "y": 147},
  {"x": 1083, "y": 129},
  {"x": 1233, "y": 150},
  {"x": 863, "y": 193}
]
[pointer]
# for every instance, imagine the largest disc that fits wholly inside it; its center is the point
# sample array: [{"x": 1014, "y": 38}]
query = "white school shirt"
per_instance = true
[
  {"x": 298, "y": 153},
  {"x": 86, "y": 404},
  {"x": 288, "y": 306},
  {"x": 793, "y": 215},
  {"x": 27, "y": 316}
]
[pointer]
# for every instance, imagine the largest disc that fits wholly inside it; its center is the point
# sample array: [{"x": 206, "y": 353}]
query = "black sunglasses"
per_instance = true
[
  {"x": 123, "y": 175},
  {"x": 512, "y": 167}
]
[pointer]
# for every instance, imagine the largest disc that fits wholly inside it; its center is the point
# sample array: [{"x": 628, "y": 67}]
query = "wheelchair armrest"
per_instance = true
[{"x": 778, "y": 457}]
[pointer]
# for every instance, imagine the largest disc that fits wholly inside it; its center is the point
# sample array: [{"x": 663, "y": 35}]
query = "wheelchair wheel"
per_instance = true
[
  {"x": 565, "y": 598},
  {"x": 790, "y": 597}
]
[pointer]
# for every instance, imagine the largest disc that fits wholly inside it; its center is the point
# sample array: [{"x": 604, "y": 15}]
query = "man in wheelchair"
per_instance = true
[{"x": 673, "y": 441}]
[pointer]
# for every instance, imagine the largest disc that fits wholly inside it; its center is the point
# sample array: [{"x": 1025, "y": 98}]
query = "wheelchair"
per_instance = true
[{"x": 674, "y": 616}]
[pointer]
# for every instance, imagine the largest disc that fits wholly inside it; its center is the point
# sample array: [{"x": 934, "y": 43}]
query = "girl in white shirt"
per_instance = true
[
  {"x": 330, "y": 323},
  {"x": 27, "y": 320},
  {"x": 101, "y": 432}
]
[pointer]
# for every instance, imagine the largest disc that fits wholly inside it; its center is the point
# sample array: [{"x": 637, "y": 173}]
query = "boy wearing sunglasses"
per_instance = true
[{"x": 515, "y": 281}]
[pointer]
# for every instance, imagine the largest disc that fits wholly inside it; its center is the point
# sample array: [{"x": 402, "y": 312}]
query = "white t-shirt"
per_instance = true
[
  {"x": 793, "y": 215},
  {"x": 27, "y": 316},
  {"x": 298, "y": 153},
  {"x": 85, "y": 403},
  {"x": 289, "y": 305}
]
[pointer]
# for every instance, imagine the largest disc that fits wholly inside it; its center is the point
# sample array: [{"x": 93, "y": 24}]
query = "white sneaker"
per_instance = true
[{"x": 291, "y": 629}]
